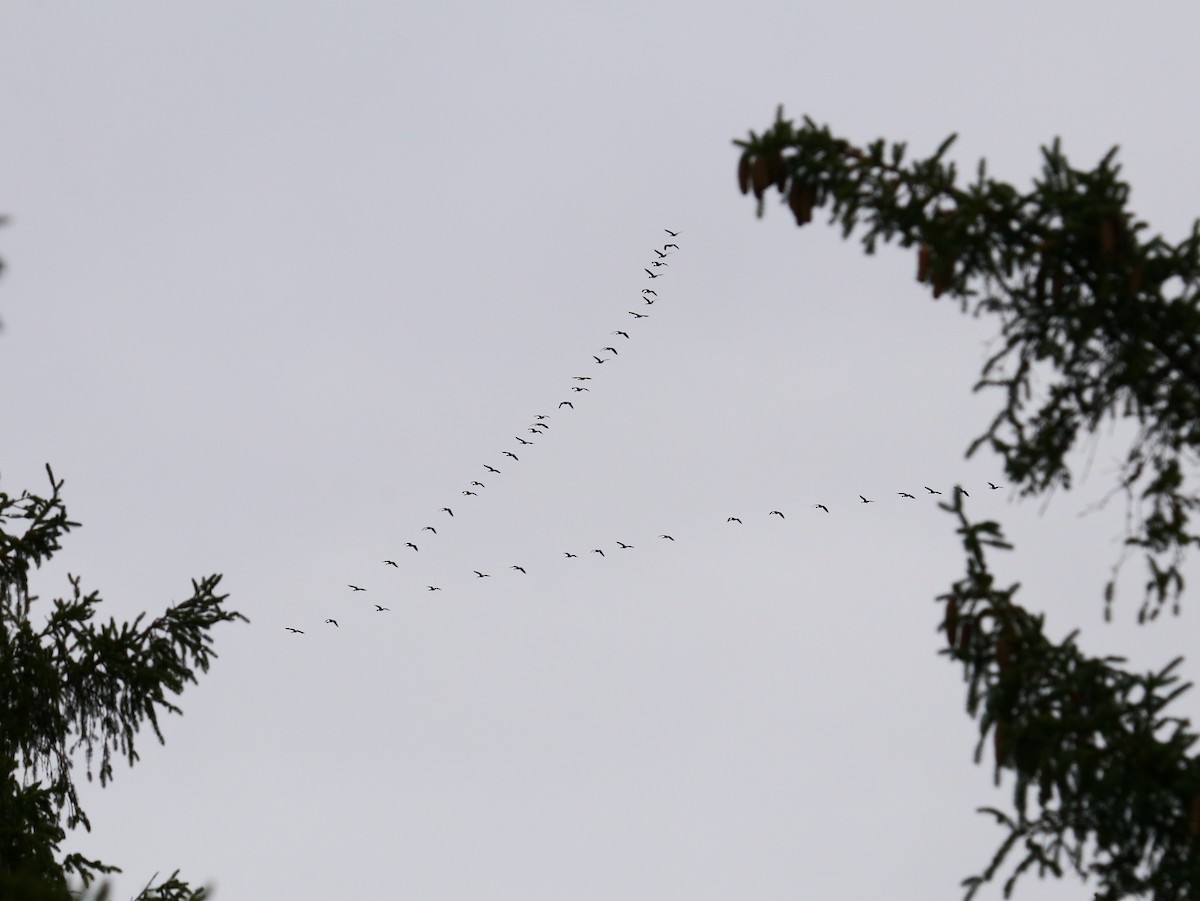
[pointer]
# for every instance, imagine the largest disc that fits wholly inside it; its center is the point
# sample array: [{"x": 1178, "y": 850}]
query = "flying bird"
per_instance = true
[
  {"x": 649, "y": 291},
  {"x": 624, "y": 545},
  {"x": 392, "y": 563},
  {"x": 578, "y": 388},
  {"x": 931, "y": 491},
  {"x": 622, "y": 334},
  {"x": 776, "y": 513},
  {"x": 381, "y": 609},
  {"x": 658, "y": 263},
  {"x": 478, "y": 485},
  {"x": 469, "y": 494},
  {"x": 864, "y": 500},
  {"x": 519, "y": 569},
  {"x": 597, "y": 359},
  {"x": 430, "y": 529},
  {"x": 511, "y": 454},
  {"x": 566, "y": 403},
  {"x": 820, "y": 507},
  {"x": 582, "y": 378},
  {"x": 356, "y": 588},
  {"x": 522, "y": 440},
  {"x": 491, "y": 469},
  {"x": 659, "y": 252},
  {"x": 543, "y": 415},
  {"x": 638, "y": 315},
  {"x": 411, "y": 545},
  {"x": 481, "y": 575},
  {"x": 649, "y": 301},
  {"x": 993, "y": 487},
  {"x": 651, "y": 274},
  {"x": 569, "y": 554},
  {"x": 733, "y": 519},
  {"x": 905, "y": 494},
  {"x": 447, "y": 510},
  {"x": 668, "y": 537},
  {"x": 334, "y": 621},
  {"x": 960, "y": 488},
  {"x": 290, "y": 629},
  {"x": 433, "y": 588},
  {"x": 671, "y": 233},
  {"x": 613, "y": 349},
  {"x": 597, "y": 550}
]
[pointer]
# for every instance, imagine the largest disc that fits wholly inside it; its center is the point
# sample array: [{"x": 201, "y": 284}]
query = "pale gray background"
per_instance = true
[{"x": 282, "y": 278}]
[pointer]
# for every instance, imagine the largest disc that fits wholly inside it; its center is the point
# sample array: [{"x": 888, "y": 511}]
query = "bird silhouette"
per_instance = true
[
  {"x": 597, "y": 359},
  {"x": 621, "y": 333},
  {"x": 649, "y": 301},
  {"x": 658, "y": 263},
  {"x": 649, "y": 291},
  {"x": 511, "y": 454},
  {"x": 993, "y": 487},
  {"x": 430, "y": 529},
  {"x": 582, "y": 378},
  {"x": 665, "y": 246},
  {"x": 905, "y": 494},
  {"x": 613, "y": 349},
  {"x": 411, "y": 545},
  {"x": 668, "y": 537},
  {"x": 470, "y": 494},
  {"x": 356, "y": 588},
  {"x": 381, "y": 609},
  {"x": 519, "y": 568},
  {"x": 447, "y": 510},
  {"x": 579, "y": 388},
  {"x": 671, "y": 233},
  {"x": 566, "y": 403},
  {"x": 392, "y": 563},
  {"x": 659, "y": 252},
  {"x": 491, "y": 469},
  {"x": 433, "y": 588},
  {"x": 481, "y": 575},
  {"x": 638, "y": 315},
  {"x": 651, "y": 274},
  {"x": 334, "y": 621},
  {"x": 864, "y": 500},
  {"x": 733, "y": 519},
  {"x": 569, "y": 554},
  {"x": 522, "y": 440},
  {"x": 820, "y": 507},
  {"x": 297, "y": 631},
  {"x": 931, "y": 491},
  {"x": 963, "y": 490},
  {"x": 597, "y": 550},
  {"x": 624, "y": 546},
  {"x": 542, "y": 415},
  {"x": 776, "y": 513},
  {"x": 478, "y": 485}
]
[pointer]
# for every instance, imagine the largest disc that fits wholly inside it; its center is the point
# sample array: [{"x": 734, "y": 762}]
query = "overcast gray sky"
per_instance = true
[{"x": 283, "y": 278}]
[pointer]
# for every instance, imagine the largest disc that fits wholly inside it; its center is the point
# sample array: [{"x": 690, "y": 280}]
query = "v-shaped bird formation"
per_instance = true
[{"x": 539, "y": 429}]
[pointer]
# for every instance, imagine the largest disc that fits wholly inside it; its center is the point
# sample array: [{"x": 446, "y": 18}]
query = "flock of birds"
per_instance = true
[{"x": 540, "y": 426}]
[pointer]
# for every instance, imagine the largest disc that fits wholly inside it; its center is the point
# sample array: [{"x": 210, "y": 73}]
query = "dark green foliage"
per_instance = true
[
  {"x": 70, "y": 685},
  {"x": 1092, "y": 330},
  {"x": 1113, "y": 790},
  {"x": 1103, "y": 779}
]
